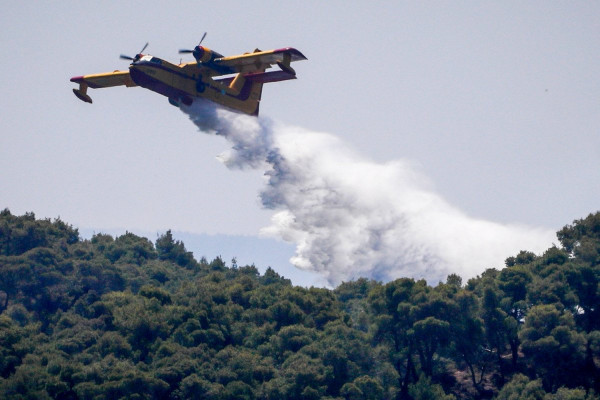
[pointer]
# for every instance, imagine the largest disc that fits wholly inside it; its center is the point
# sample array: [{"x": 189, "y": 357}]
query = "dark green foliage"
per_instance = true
[
  {"x": 522, "y": 388},
  {"x": 175, "y": 251},
  {"x": 112, "y": 318},
  {"x": 424, "y": 389},
  {"x": 20, "y": 234}
]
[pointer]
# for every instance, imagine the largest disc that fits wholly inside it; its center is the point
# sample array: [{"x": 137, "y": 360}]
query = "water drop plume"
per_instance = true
[{"x": 351, "y": 217}]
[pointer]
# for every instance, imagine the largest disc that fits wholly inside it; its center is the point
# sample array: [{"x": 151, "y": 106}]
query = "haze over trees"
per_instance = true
[{"x": 112, "y": 318}]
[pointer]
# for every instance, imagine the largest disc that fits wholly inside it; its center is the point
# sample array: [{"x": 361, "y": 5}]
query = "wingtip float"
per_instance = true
[
  {"x": 81, "y": 93},
  {"x": 233, "y": 81}
]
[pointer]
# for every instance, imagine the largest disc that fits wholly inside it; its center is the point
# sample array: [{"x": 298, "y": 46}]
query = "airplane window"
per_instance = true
[{"x": 155, "y": 60}]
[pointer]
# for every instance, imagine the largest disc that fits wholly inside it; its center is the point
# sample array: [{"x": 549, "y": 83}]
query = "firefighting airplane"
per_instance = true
[{"x": 234, "y": 82}]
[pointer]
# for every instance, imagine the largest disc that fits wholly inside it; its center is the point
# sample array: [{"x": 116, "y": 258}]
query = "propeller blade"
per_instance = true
[
  {"x": 187, "y": 51},
  {"x": 137, "y": 57}
]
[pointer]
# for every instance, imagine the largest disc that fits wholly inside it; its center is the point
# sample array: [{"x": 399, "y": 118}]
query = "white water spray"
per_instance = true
[{"x": 350, "y": 217}]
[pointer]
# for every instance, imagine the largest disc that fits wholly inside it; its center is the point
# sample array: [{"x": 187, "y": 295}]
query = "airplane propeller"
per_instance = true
[
  {"x": 137, "y": 57},
  {"x": 187, "y": 51}
]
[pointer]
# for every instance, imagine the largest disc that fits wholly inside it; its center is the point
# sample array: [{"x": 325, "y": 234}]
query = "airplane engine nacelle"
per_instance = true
[{"x": 204, "y": 54}]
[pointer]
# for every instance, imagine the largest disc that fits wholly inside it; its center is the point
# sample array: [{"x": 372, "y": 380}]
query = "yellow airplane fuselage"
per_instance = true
[{"x": 183, "y": 82}]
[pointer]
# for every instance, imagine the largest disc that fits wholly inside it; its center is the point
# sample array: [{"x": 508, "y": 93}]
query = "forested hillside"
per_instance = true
[{"x": 112, "y": 318}]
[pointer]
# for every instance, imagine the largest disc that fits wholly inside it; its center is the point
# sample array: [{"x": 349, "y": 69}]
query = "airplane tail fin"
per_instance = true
[
  {"x": 255, "y": 95},
  {"x": 254, "y": 92},
  {"x": 260, "y": 78},
  {"x": 247, "y": 88}
]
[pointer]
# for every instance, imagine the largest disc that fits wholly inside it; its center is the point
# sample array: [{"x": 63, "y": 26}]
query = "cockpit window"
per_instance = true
[{"x": 151, "y": 59}]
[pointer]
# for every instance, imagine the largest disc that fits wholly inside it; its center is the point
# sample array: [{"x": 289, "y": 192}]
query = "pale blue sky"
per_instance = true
[{"x": 497, "y": 103}]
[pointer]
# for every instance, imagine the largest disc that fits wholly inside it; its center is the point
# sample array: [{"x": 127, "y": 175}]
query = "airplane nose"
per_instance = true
[{"x": 198, "y": 52}]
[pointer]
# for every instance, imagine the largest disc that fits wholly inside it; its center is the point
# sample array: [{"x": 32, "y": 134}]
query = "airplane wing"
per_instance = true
[
  {"x": 95, "y": 81},
  {"x": 260, "y": 60},
  {"x": 108, "y": 79}
]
